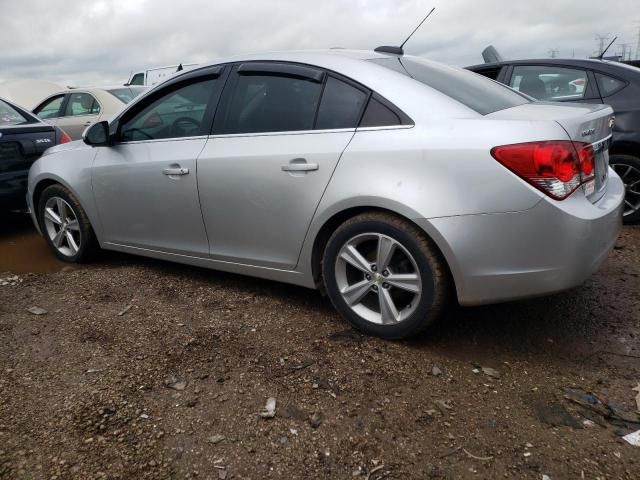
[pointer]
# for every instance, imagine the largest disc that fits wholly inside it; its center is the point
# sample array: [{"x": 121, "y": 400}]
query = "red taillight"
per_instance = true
[
  {"x": 64, "y": 138},
  {"x": 557, "y": 168}
]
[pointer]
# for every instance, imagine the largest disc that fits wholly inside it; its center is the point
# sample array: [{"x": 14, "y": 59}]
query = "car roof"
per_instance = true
[
  {"x": 399, "y": 89},
  {"x": 591, "y": 63}
]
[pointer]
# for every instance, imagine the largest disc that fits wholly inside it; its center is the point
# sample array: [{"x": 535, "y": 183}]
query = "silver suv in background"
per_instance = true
[{"x": 394, "y": 183}]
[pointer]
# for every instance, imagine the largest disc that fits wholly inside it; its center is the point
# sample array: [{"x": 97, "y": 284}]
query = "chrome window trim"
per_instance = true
[{"x": 289, "y": 132}]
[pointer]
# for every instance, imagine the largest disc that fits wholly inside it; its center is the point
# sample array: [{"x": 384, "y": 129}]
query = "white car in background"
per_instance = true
[{"x": 74, "y": 110}]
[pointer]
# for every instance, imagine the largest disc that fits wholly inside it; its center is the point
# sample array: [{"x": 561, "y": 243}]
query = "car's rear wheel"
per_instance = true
[
  {"x": 628, "y": 168},
  {"x": 65, "y": 225},
  {"x": 385, "y": 276}
]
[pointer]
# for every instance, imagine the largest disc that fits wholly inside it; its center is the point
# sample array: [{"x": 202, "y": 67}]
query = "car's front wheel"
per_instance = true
[
  {"x": 65, "y": 225},
  {"x": 385, "y": 276},
  {"x": 628, "y": 167}
]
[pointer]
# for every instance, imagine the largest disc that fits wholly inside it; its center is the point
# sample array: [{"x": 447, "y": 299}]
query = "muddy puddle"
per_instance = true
[{"x": 22, "y": 249}]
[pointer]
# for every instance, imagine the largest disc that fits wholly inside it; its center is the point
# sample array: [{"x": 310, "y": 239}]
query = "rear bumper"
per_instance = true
[{"x": 551, "y": 247}]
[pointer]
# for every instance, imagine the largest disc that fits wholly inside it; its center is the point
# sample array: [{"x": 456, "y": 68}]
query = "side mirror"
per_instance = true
[{"x": 97, "y": 135}]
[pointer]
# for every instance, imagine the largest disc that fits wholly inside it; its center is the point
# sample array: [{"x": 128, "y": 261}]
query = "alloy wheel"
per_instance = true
[
  {"x": 61, "y": 224},
  {"x": 378, "y": 278},
  {"x": 630, "y": 175}
]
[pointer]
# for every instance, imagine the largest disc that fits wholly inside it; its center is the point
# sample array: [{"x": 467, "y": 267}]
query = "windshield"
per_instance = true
[
  {"x": 10, "y": 116},
  {"x": 472, "y": 90},
  {"x": 126, "y": 94}
]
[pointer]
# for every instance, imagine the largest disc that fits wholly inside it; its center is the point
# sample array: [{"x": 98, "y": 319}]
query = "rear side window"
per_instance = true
[
  {"x": 474, "y": 91},
  {"x": 10, "y": 116},
  {"x": 178, "y": 113},
  {"x": 272, "y": 103},
  {"x": 341, "y": 105},
  {"x": 550, "y": 83},
  {"x": 379, "y": 115},
  {"x": 609, "y": 85},
  {"x": 81, "y": 104},
  {"x": 50, "y": 108}
]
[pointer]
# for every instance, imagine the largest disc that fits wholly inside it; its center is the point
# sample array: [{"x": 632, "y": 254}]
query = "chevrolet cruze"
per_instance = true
[{"x": 393, "y": 183}]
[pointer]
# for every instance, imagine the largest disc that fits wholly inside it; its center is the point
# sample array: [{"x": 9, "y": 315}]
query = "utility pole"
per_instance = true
[
  {"x": 553, "y": 52},
  {"x": 602, "y": 43},
  {"x": 625, "y": 51},
  {"x": 638, "y": 44}
]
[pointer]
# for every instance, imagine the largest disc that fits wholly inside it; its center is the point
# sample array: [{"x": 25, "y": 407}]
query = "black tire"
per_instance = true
[
  {"x": 88, "y": 244},
  {"x": 436, "y": 286},
  {"x": 628, "y": 167}
]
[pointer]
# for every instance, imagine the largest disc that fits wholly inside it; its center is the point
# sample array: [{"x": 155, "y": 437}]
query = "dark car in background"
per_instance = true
[
  {"x": 23, "y": 138},
  {"x": 586, "y": 81}
]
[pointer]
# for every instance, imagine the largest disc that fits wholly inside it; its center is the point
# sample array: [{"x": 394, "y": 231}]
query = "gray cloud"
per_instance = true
[{"x": 100, "y": 42}]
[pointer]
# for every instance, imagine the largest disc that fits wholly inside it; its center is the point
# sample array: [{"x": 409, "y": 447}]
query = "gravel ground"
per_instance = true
[{"x": 142, "y": 369}]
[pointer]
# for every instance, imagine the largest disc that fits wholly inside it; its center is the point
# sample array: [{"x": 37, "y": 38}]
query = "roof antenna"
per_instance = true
[
  {"x": 601, "y": 56},
  {"x": 399, "y": 50}
]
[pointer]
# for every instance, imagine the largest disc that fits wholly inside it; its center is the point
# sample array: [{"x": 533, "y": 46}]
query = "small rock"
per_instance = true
[
  {"x": 435, "y": 371},
  {"x": 191, "y": 403},
  {"x": 546, "y": 477},
  {"x": 175, "y": 383},
  {"x": 36, "y": 310},
  {"x": 589, "y": 423},
  {"x": 315, "y": 420},
  {"x": 490, "y": 372},
  {"x": 215, "y": 439},
  {"x": 222, "y": 474},
  {"x": 269, "y": 409}
]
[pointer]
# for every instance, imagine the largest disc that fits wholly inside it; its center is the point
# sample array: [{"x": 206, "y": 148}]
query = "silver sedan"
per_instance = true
[{"x": 395, "y": 184}]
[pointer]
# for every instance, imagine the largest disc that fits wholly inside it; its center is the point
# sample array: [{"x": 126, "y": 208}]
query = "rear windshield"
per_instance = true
[
  {"x": 10, "y": 116},
  {"x": 475, "y": 91},
  {"x": 126, "y": 94}
]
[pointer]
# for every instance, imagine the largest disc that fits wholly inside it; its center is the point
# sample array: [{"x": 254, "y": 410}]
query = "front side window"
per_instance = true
[
  {"x": 550, "y": 83},
  {"x": 271, "y": 103},
  {"x": 138, "y": 79},
  {"x": 609, "y": 85},
  {"x": 81, "y": 104},
  {"x": 50, "y": 108},
  {"x": 179, "y": 113},
  {"x": 10, "y": 116},
  {"x": 341, "y": 105}
]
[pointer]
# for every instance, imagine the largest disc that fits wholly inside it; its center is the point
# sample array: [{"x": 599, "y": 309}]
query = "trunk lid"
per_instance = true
[{"x": 583, "y": 122}]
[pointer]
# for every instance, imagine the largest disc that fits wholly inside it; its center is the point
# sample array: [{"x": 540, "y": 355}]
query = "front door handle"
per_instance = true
[
  {"x": 298, "y": 166},
  {"x": 176, "y": 171}
]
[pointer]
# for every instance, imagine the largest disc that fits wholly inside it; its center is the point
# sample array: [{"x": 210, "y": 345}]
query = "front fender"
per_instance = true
[{"x": 70, "y": 168}]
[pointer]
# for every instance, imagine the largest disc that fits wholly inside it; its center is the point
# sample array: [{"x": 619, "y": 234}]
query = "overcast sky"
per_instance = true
[{"x": 101, "y": 42}]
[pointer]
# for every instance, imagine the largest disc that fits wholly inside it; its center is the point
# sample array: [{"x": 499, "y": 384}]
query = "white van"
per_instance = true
[{"x": 152, "y": 76}]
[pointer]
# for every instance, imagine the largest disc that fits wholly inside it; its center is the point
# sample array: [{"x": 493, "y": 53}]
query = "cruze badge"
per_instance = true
[
  {"x": 586, "y": 133},
  {"x": 43, "y": 140}
]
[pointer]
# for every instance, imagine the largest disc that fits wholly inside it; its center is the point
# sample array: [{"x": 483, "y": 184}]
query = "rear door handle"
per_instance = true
[
  {"x": 300, "y": 167},
  {"x": 176, "y": 171}
]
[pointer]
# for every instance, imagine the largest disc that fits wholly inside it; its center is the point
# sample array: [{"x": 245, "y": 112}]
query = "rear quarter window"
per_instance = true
[{"x": 475, "y": 91}]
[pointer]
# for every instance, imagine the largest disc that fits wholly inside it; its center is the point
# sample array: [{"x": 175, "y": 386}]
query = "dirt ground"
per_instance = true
[{"x": 142, "y": 369}]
